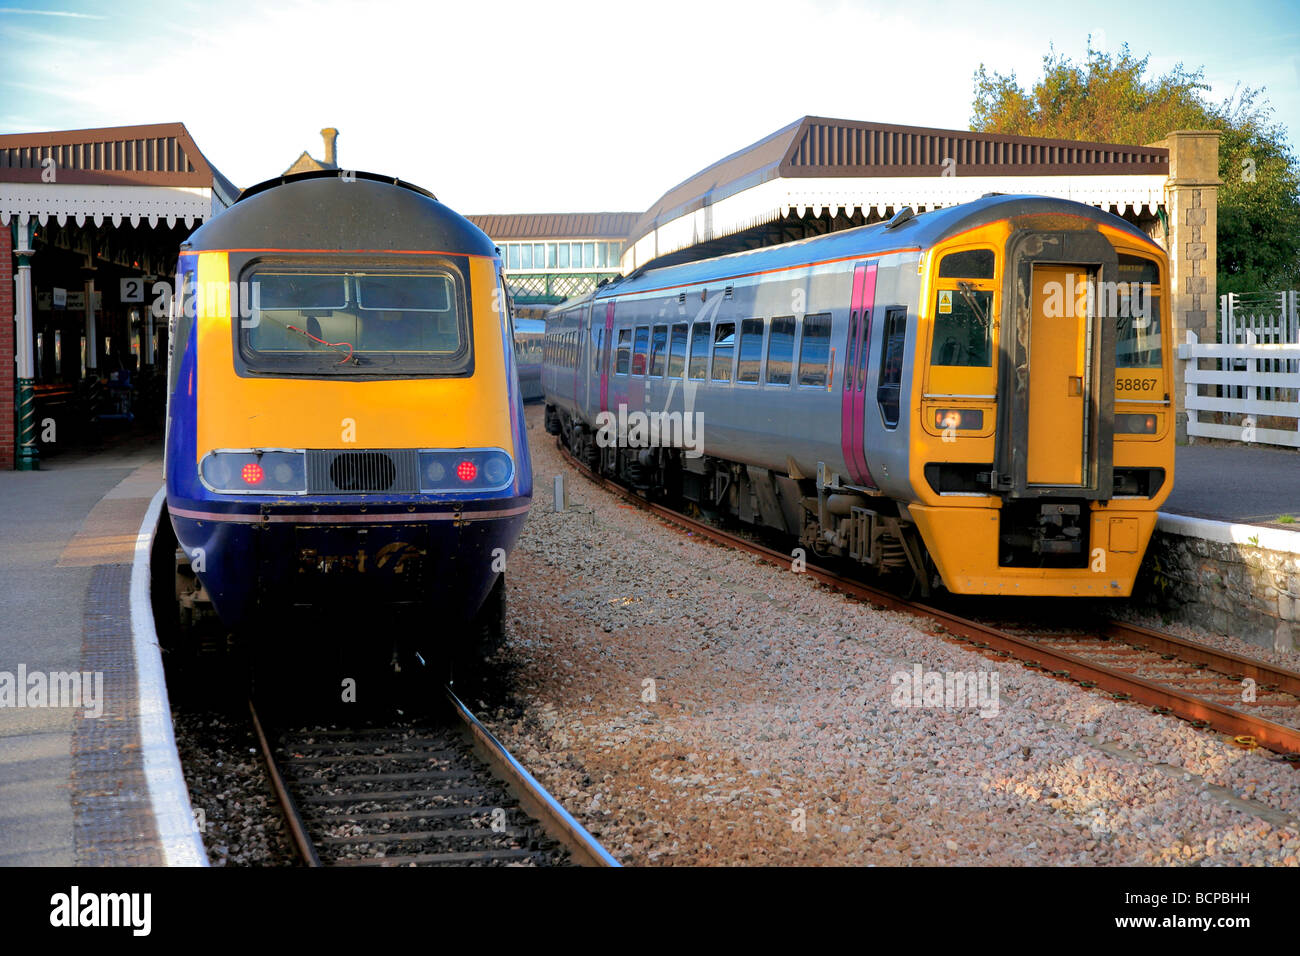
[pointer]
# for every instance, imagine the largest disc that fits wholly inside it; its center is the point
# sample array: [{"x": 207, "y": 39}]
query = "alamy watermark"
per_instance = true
[
  {"x": 1120, "y": 300},
  {"x": 651, "y": 430},
  {"x": 84, "y": 689},
  {"x": 951, "y": 689}
]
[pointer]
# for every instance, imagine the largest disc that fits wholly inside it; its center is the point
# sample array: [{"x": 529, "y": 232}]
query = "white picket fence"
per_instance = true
[{"x": 1254, "y": 379}]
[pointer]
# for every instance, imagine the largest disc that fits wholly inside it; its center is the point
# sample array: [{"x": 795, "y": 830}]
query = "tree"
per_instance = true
[{"x": 1110, "y": 99}]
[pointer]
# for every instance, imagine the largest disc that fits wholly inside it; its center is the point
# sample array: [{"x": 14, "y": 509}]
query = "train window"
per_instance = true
[
  {"x": 815, "y": 350},
  {"x": 639, "y": 350},
  {"x": 891, "y": 364},
  {"x": 340, "y": 322},
  {"x": 1135, "y": 304},
  {"x": 851, "y": 350},
  {"x": 624, "y": 352},
  {"x": 862, "y": 352},
  {"x": 677, "y": 352},
  {"x": 751, "y": 350},
  {"x": 780, "y": 350},
  {"x": 658, "y": 346},
  {"x": 724, "y": 345},
  {"x": 963, "y": 328},
  {"x": 970, "y": 264},
  {"x": 700, "y": 337}
]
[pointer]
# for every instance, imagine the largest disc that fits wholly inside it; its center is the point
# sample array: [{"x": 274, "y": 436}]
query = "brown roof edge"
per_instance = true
[
  {"x": 205, "y": 174},
  {"x": 990, "y": 137},
  {"x": 564, "y": 225}
]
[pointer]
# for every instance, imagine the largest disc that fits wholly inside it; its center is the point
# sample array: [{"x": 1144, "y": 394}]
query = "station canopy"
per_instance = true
[
  {"x": 132, "y": 174},
  {"x": 818, "y": 175}
]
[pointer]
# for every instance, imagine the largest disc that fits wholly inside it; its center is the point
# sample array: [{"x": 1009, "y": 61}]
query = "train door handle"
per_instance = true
[{"x": 1076, "y": 385}]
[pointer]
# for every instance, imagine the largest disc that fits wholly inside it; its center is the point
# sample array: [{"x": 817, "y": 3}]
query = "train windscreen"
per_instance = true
[{"x": 343, "y": 322}]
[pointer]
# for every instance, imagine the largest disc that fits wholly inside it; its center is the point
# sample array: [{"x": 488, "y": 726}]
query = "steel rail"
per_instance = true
[
  {"x": 536, "y": 801},
  {"x": 1273, "y": 736},
  {"x": 297, "y": 827}
]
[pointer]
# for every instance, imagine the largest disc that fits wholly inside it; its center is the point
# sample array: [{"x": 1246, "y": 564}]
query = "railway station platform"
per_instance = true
[
  {"x": 1241, "y": 484},
  {"x": 88, "y": 770}
]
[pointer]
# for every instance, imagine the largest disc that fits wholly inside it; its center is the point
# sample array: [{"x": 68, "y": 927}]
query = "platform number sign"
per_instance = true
[{"x": 132, "y": 290}]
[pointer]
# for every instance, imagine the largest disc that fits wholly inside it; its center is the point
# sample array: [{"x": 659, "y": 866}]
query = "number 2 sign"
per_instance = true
[{"x": 133, "y": 290}]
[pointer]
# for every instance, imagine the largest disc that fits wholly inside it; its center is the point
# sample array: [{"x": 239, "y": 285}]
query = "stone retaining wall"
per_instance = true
[{"x": 1236, "y": 588}]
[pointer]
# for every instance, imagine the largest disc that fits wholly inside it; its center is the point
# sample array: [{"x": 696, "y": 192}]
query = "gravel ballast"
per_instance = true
[{"x": 693, "y": 705}]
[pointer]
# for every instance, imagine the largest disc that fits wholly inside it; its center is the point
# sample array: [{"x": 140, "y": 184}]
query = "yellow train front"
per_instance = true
[{"x": 344, "y": 420}]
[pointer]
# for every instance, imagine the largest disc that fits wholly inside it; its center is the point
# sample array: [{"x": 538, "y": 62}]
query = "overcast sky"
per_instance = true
[{"x": 503, "y": 106}]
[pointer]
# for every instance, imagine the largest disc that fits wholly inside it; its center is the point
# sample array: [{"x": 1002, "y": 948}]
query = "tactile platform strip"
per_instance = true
[{"x": 113, "y": 821}]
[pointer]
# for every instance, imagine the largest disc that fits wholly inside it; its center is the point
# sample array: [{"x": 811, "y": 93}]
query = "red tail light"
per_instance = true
[
  {"x": 467, "y": 471},
  {"x": 252, "y": 473}
]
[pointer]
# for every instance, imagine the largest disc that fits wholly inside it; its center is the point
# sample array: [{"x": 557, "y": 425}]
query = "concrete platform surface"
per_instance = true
[
  {"x": 72, "y": 790},
  {"x": 1246, "y": 484}
]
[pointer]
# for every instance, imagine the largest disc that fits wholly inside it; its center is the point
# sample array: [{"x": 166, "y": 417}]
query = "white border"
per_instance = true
[
  {"x": 182, "y": 844},
  {"x": 1225, "y": 532}
]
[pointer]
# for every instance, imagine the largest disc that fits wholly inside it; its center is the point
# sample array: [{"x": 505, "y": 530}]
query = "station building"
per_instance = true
[
  {"x": 91, "y": 220},
  {"x": 549, "y": 257}
]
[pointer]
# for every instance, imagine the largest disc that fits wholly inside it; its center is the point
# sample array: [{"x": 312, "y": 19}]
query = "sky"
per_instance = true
[{"x": 554, "y": 106}]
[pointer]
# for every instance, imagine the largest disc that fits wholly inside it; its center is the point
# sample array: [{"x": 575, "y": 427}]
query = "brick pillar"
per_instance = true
[
  {"x": 7, "y": 319},
  {"x": 1191, "y": 203}
]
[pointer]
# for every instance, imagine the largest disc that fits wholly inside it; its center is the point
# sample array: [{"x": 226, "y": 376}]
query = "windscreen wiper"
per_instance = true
[{"x": 348, "y": 357}]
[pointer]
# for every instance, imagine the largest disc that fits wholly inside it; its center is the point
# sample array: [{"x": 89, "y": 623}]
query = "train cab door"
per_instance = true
[
  {"x": 606, "y": 354},
  {"x": 1060, "y": 381},
  {"x": 854, "y": 385}
]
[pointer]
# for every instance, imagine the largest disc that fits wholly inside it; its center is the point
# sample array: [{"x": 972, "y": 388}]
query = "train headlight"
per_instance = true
[
  {"x": 483, "y": 469},
  {"x": 496, "y": 469},
  {"x": 1141, "y": 424},
  {"x": 959, "y": 418},
  {"x": 255, "y": 472}
]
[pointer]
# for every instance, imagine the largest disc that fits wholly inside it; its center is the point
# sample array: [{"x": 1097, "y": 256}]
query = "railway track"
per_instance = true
[
  {"x": 1255, "y": 703},
  {"x": 422, "y": 793}
]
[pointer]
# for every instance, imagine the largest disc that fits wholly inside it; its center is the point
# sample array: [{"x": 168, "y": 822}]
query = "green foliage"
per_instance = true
[{"x": 1109, "y": 98}]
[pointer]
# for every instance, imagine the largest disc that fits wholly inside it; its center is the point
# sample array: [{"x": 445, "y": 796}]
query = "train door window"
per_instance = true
[
  {"x": 658, "y": 348},
  {"x": 639, "y": 350},
  {"x": 851, "y": 349},
  {"x": 891, "y": 364},
  {"x": 700, "y": 337},
  {"x": 624, "y": 352},
  {"x": 724, "y": 346},
  {"x": 780, "y": 350},
  {"x": 751, "y": 350},
  {"x": 677, "y": 352},
  {"x": 1135, "y": 303},
  {"x": 815, "y": 350}
]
